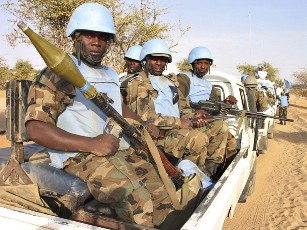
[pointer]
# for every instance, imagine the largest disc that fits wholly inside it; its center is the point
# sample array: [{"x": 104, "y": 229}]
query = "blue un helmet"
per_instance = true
[
  {"x": 265, "y": 85},
  {"x": 134, "y": 52},
  {"x": 156, "y": 46},
  {"x": 91, "y": 16},
  {"x": 243, "y": 78},
  {"x": 200, "y": 52},
  {"x": 260, "y": 66}
]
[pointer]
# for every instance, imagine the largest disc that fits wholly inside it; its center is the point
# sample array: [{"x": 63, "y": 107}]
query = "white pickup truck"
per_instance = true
[
  {"x": 266, "y": 126},
  {"x": 235, "y": 183}
]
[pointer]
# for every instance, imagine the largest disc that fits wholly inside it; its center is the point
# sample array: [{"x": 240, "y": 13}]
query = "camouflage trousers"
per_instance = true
[
  {"x": 129, "y": 184},
  {"x": 283, "y": 112},
  {"x": 217, "y": 133},
  {"x": 198, "y": 144},
  {"x": 231, "y": 146}
]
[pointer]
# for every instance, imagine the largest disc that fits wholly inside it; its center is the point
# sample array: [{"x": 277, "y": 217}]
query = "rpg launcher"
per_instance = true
[
  {"x": 62, "y": 65},
  {"x": 218, "y": 108}
]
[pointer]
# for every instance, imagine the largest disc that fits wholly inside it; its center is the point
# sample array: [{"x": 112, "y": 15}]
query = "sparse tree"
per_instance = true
[
  {"x": 183, "y": 65},
  {"x": 300, "y": 83},
  {"x": 135, "y": 24},
  {"x": 273, "y": 73},
  {"x": 4, "y": 73},
  {"x": 23, "y": 70},
  {"x": 2, "y": 62},
  {"x": 300, "y": 77}
]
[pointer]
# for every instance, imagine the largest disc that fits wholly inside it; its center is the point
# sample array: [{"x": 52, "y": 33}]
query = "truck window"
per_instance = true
[
  {"x": 243, "y": 98},
  {"x": 218, "y": 92}
]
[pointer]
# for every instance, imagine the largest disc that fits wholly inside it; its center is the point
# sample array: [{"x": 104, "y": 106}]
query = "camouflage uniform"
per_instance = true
[
  {"x": 283, "y": 107},
  {"x": 128, "y": 183},
  {"x": 261, "y": 101},
  {"x": 180, "y": 143},
  {"x": 201, "y": 89},
  {"x": 271, "y": 98},
  {"x": 283, "y": 112}
]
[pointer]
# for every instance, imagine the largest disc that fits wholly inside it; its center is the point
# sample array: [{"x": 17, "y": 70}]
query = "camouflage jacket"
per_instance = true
[
  {"x": 139, "y": 98},
  {"x": 261, "y": 101},
  {"x": 48, "y": 97}
]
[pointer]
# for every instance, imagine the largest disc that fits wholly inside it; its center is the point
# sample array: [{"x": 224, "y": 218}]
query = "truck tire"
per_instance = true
[
  {"x": 262, "y": 151},
  {"x": 265, "y": 144},
  {"x": 271, "y": 131},
  {"x": 249, "y": 186}
]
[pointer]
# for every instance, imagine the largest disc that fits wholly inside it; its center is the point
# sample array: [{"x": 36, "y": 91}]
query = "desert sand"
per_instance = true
[{"x": 280, "y": 197}]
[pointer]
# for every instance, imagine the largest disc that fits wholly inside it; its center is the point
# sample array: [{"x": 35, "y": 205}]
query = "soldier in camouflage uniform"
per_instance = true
[
  {"x": 268, "y": 92},
  {"x": 250, "y": 84},
  {"x": 261, "y": 99},
  {"x": 157, "y": 100},
  {"x": 283, "y": 107},
  {"x": 200, "y": 88},
  {"x": 133, "y": 63},
  {"x": 133, "y": 66},
  {"x": 73, "y": 128}
]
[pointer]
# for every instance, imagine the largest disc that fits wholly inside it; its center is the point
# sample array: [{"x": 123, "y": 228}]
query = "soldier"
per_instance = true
[
  {"x": 283, "y": 107},
  {"x": 260, "y": 73},
  {"x": 201, "y": 59},
  {"x": 268, "y": 92},
  {"x": 156, "y": 98},
  {"x": 60, "y": 118},
  {"x": 133, "y": 63},
  {"x": 133, "y": 66},
  {"x": 261, "y": 99},
  {"x": 250, "y": 84}
]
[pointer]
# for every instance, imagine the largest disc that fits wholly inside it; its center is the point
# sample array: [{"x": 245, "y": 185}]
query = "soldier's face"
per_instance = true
[
  {"x": 157, "y": 64},
  {"x": 133, "y": 66},
  {"x": 95, "y": 43},
  {"x": 201, "y": 67}
]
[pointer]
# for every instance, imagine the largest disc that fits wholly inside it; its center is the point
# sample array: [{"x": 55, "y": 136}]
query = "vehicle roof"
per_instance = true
[{"x": 224, "y": 77}]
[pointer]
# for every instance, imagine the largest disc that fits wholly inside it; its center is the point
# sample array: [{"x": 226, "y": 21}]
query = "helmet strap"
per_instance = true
[{"x": 88, "y": 59}]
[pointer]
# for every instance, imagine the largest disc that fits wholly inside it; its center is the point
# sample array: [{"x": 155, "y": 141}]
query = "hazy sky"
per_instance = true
[{"x": 236, "y": 32}]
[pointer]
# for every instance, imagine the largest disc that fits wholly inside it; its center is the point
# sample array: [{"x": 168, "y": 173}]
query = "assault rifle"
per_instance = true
[
  {"x": 60, "y": 63},
  {"x": 221, "y": 108}
]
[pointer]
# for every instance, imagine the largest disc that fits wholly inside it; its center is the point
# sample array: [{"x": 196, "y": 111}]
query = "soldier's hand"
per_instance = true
[
  {"x": 231, "y": 100},
  {"x": 152, "y": 130},
  {"x": 185, "y": 124},
  {"x": 201, "y": 120},
  {"x": 104, "y": 145}
]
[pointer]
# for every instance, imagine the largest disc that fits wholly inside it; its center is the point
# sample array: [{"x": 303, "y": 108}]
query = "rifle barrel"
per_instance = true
[{"x": 217, "y": 107}]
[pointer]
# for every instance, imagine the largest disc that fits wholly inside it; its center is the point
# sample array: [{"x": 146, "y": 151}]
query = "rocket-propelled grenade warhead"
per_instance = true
[{"x": 58, "y": 61}]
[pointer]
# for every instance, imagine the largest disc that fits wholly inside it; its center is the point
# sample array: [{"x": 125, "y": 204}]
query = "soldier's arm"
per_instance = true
[{"x": 45, "y": 105}]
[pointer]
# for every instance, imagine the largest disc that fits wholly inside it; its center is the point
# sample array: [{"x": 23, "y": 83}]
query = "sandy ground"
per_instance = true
[{"x": 280, "y": 197}]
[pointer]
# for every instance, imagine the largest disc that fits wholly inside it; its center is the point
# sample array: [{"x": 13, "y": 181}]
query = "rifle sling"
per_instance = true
[
  {"x": 242, "y": 115},
  {"x": 169, "y": 185}
]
